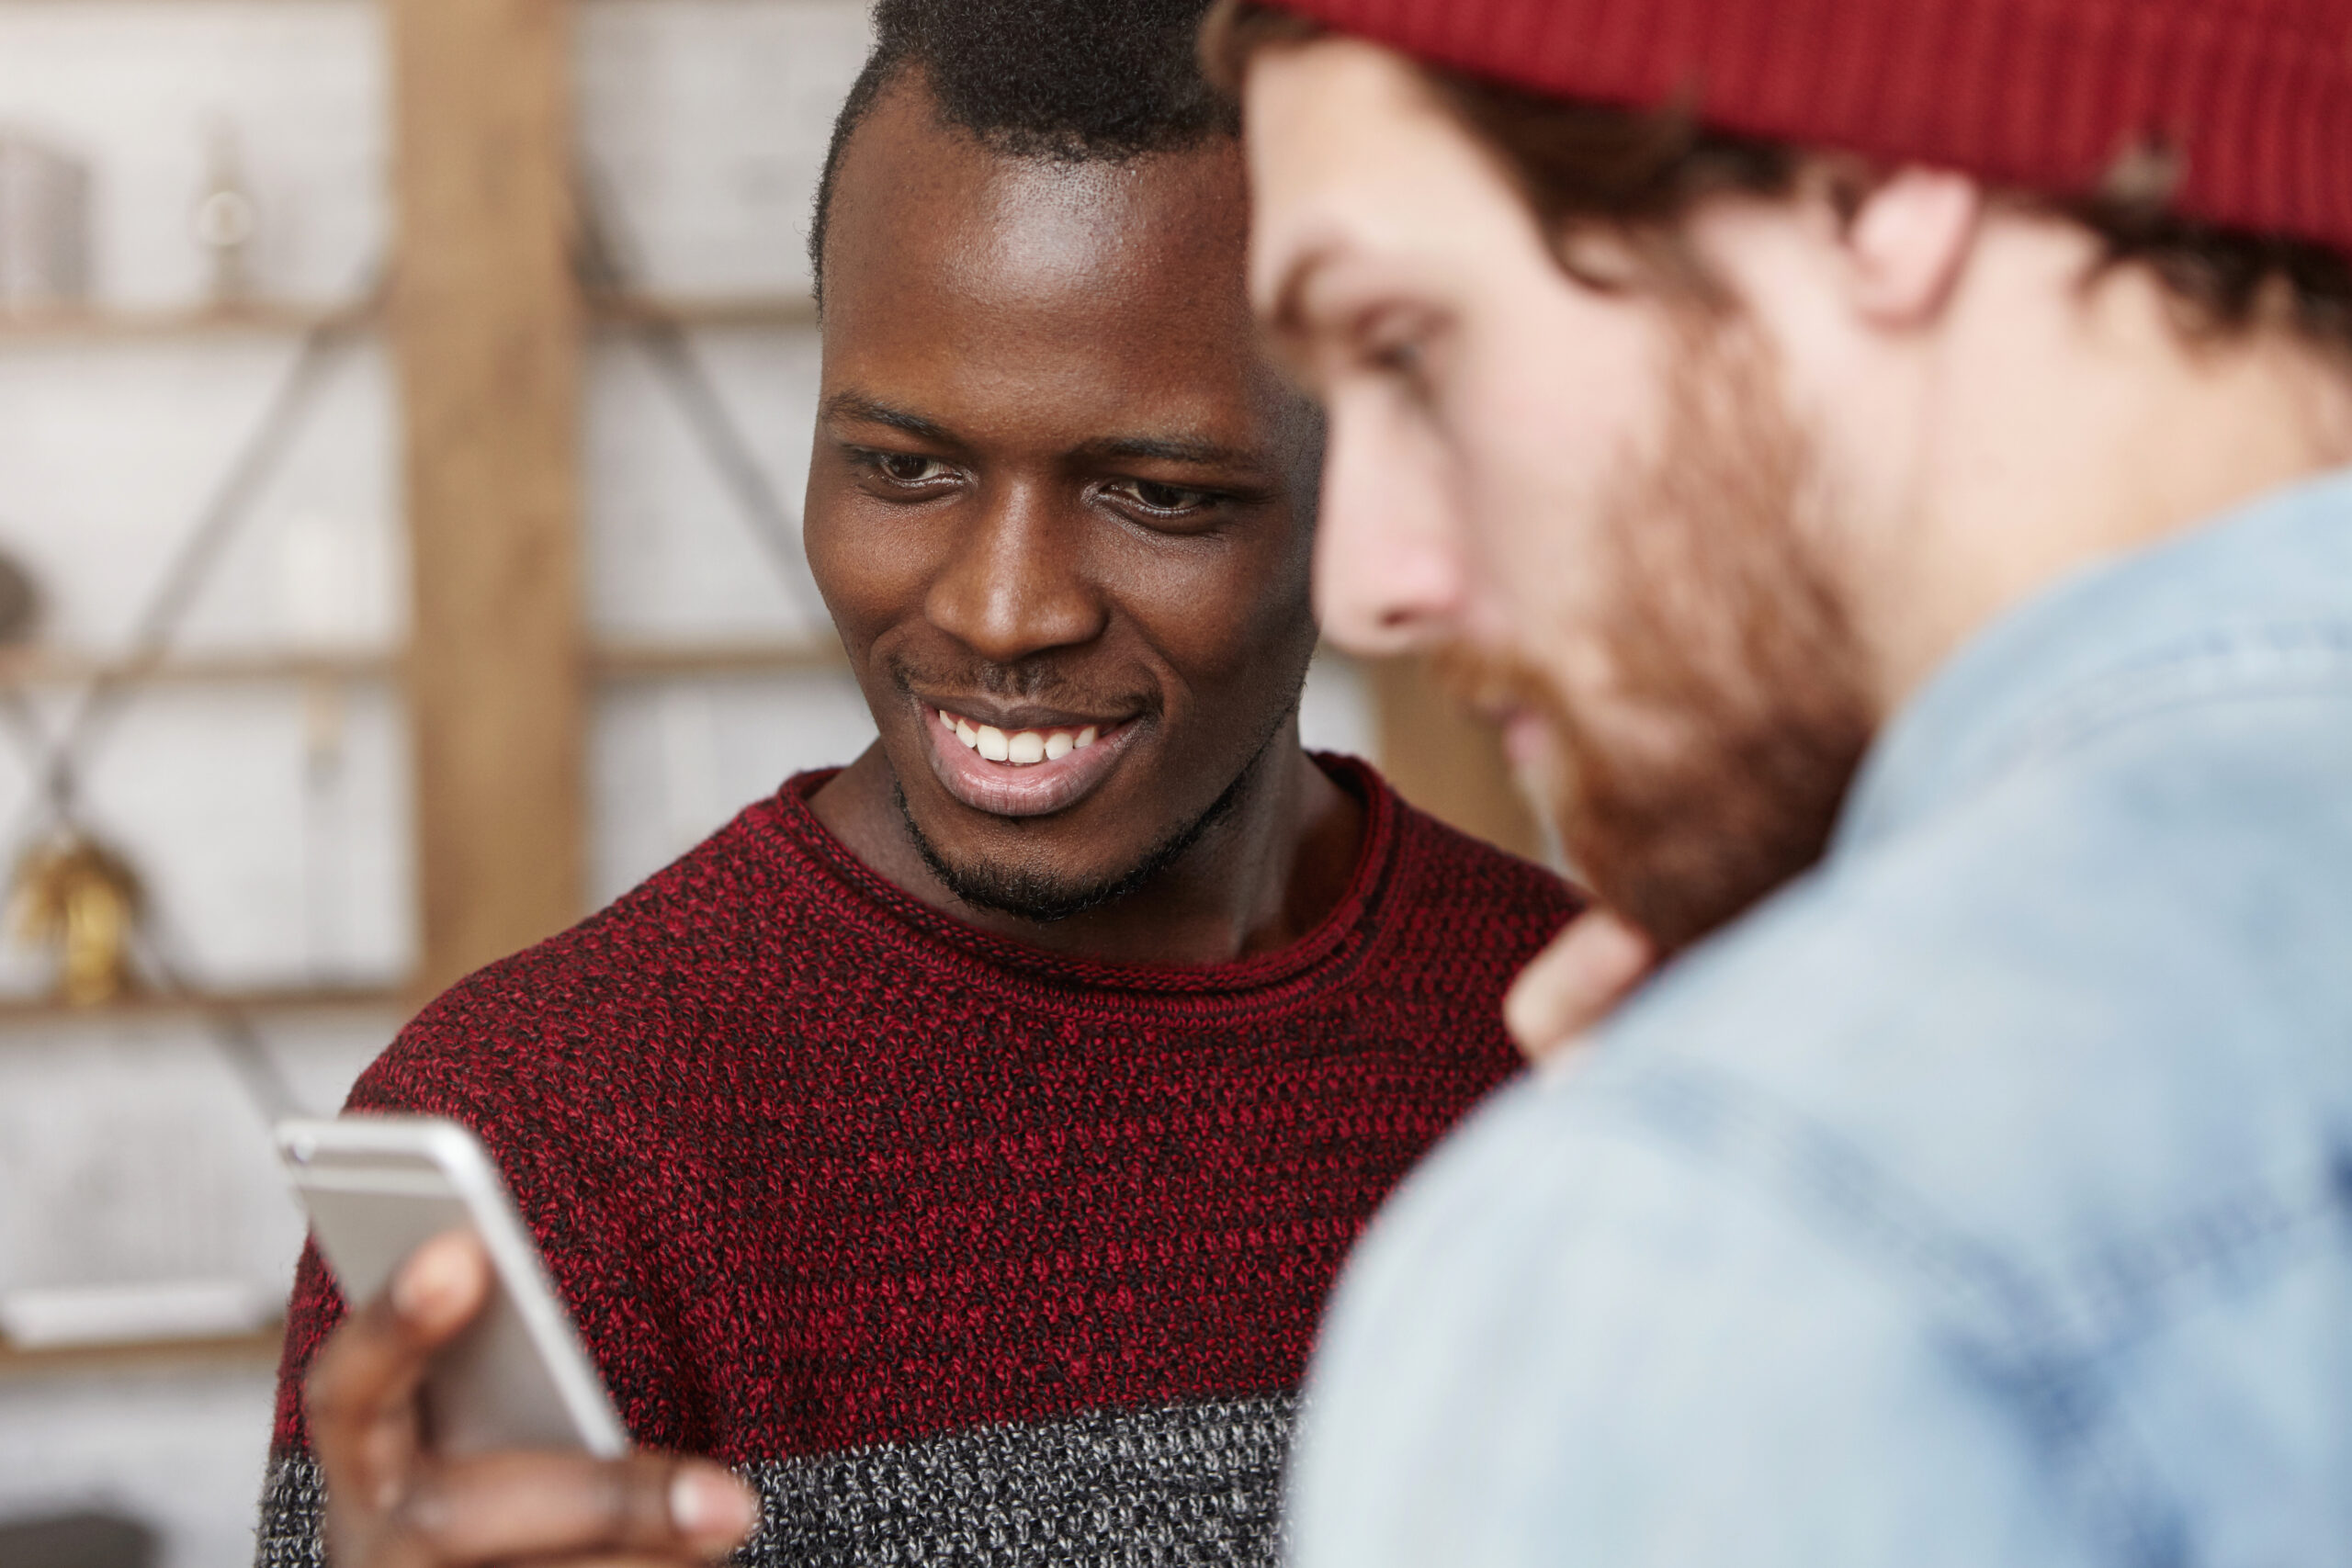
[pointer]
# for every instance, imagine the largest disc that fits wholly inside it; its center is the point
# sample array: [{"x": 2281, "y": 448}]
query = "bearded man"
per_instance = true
[
  {"x": 957, "y": 1145},
  {"x": 1889, "y": 460}
]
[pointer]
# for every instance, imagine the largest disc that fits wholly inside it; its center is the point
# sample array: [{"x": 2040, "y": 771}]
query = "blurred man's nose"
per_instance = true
[
  {"x": 1015, "y": 585},
  {"x": 1389, "y": 571}
]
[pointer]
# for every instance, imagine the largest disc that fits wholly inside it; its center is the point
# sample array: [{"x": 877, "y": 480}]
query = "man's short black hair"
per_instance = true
[{"x": 1080, "y": 80}]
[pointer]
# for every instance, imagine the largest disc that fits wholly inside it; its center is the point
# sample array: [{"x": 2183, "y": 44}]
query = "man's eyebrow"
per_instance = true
[
  {"x": 856, "y": 406},
  {"x": 1196, "y": 450}
]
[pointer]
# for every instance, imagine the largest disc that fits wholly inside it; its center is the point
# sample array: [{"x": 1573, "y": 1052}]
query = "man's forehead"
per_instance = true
[
  {"x": 916, "y": 193},
  {"x": 1084, "y": 302},
  {"x": 1350, "y": 155}
]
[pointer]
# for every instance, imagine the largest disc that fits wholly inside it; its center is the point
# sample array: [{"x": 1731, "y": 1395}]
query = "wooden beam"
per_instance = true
[
  {"x": 18, "y": 1015},
  {"x": 79, "y": 322},
  {"x": 260, "y": 1348},
  {"x": 1445, "y": 759},
  {"x": 663, "y": 661},
  {"x": 749, "y": 310},
  {"x": 486, "y": 327}
]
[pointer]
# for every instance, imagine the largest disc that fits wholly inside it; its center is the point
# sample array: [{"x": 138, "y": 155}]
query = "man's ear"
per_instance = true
[{"x": 1907, "y": 242}]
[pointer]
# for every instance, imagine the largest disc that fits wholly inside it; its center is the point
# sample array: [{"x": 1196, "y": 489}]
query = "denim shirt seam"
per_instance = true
[
  {"x": 2076, "y": 1311},
  {"x": 2270, "y": 657},
  {"x": 2010, "y": 1325},
  {"x": 1967, "y": 753},
  {"x": 1725, "y": 1122},
  {"x": 1998, "y": 1321},
  {"x": 2130, "y": 1289}
]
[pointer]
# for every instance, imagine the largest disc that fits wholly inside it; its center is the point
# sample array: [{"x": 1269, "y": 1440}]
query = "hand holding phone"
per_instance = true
[
  {"x": 393, "y": 1498},
  {"x": 377, "y": 1188}
]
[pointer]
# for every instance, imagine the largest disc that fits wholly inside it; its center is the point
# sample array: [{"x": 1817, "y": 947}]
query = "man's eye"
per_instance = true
[
  {"x": 1167, "y": 499},
  {"x": 905, "y": 468},
  {"x": 1396, "y": 351},
  {"x": 1394, "y": 344}
]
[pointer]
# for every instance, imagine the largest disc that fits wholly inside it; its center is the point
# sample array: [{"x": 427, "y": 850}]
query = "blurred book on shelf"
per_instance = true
[{"x": 44, "y": 225}]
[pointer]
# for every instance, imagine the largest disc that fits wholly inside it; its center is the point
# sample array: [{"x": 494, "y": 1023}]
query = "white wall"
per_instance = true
[{"x": 180, "y": 1448}]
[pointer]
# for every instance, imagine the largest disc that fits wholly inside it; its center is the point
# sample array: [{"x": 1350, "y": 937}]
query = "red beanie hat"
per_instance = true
[{"x": 2252, "y": 96}]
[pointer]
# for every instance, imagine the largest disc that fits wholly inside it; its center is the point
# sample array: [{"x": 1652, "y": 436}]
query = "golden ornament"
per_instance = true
[{"x": 74, "y": 895}]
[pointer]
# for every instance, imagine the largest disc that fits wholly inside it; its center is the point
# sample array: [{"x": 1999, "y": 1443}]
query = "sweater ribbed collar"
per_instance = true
[{"x": 894, "y": 918}]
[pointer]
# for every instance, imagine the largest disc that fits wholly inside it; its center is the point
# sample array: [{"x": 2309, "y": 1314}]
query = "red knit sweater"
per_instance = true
[{"x": 962, "y": 1250}]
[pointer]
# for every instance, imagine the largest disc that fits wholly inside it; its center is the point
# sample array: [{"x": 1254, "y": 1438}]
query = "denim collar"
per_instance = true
[{"x": 2255, "y": 581}]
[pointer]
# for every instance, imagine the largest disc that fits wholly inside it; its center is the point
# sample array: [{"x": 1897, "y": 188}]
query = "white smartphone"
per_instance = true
[{"x": 377, "y": 1188}]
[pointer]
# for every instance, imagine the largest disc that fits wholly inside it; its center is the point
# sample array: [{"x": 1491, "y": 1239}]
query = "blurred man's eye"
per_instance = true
[{"x": 1394, "y": 343}]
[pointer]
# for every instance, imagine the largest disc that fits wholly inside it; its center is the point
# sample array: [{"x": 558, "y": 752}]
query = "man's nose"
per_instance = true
[
  {"x": 1016, "y": 582},
  {"x": 1390, "y": 575}
]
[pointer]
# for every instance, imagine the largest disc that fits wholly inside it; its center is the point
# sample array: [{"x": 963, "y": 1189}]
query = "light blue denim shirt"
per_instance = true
[{"x": 1983, "y": 1198}]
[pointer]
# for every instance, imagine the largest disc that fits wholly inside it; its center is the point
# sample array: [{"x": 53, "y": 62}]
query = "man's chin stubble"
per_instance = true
[{"x": 1029, "y": 893}]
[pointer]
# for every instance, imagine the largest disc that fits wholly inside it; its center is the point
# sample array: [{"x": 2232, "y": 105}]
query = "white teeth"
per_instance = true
[{"x": 1022, "y": 748}]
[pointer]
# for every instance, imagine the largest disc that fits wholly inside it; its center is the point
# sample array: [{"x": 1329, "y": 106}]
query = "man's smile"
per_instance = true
[{"x": 1023, "y": 763}]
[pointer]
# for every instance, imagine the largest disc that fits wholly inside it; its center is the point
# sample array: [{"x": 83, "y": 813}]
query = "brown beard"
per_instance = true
[{"x": 1725, "y": 635}]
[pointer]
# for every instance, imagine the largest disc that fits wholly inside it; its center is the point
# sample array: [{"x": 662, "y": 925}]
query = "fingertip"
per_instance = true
[
  {"x": 1527, "y": 1019},
  {"x": 710, "y": 1505},
  {"x": 1576, "y": 982},
  {"x": 1536, "y": 1005},
  {"x": 1624, "y": 947}
]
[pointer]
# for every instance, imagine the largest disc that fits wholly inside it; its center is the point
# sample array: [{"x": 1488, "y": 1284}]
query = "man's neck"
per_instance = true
[
  {"x": 2099, "y": 429},
  {"x": 1262, "y": 876}
]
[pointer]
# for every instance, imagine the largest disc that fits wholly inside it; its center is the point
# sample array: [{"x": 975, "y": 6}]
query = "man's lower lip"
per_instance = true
[{"x": 1007, "y": 789}]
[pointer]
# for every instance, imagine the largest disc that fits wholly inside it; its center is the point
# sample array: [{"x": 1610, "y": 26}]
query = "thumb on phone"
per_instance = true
[
  {"x": 360, "y": 1397},
  {"x": 442, "y": 1285}
]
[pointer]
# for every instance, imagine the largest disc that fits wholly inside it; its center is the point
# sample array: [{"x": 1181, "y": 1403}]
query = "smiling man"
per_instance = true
[{"x": 958, "y": 1146}]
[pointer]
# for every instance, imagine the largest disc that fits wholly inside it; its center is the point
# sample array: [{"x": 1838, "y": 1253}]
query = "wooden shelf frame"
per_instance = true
[
  {"x": 83, "y": 323},
  {"x": 19, "y": 1010},
  {"x": 755, "y": 311},
  {"x": 457, "y": 124},
  {"x": 103, "y": 323},
  {"x": 658, "y": 661},
  {"x": 33, "y": 669},
  {"x": 619, "y": 661},
  {"x": 256, "y": 1351}
]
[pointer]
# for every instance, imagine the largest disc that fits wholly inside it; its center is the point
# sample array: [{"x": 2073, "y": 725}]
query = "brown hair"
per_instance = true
[{"x": 1639, "y": 171}]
